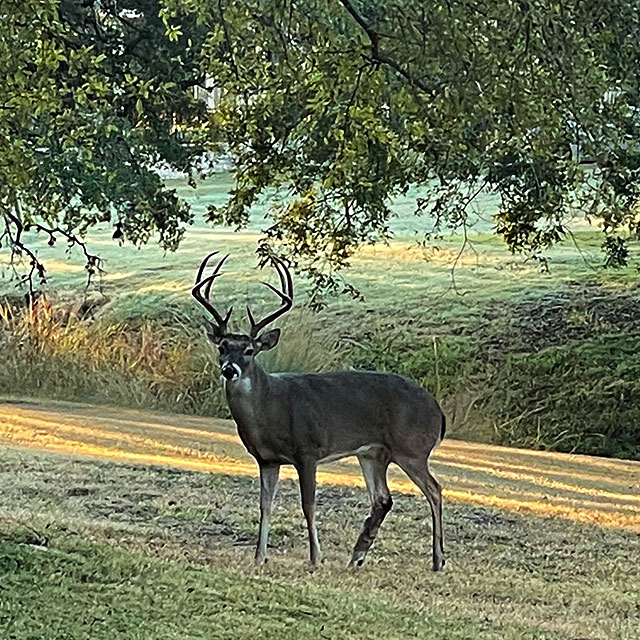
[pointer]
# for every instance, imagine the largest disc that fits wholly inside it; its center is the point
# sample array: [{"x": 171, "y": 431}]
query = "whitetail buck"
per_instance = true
[{"x": 310, "y": 418}]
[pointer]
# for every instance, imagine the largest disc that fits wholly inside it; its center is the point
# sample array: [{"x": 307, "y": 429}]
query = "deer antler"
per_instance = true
[
  {"x": 285, "y": 295},
  {"x": 205, "y": 284}
]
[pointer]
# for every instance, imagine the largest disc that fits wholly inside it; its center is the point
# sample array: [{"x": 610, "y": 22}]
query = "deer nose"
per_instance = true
[{"x": 230, "y": 371}]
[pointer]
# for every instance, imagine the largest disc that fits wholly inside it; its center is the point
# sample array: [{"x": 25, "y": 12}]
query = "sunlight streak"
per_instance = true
[
  {"x": 495, "y": 462},
  {"x": 523, "y": 488}
]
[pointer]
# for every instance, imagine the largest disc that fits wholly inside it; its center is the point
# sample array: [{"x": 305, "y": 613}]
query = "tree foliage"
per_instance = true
[
  {"x": 348, "y": 102},
  {"x": 340, "y": 103},
  {"x": 89, "y": 93}
]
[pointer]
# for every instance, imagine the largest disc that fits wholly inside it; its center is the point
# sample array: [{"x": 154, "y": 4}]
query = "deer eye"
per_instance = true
[
  {"x": 222, "y": 347},
  {"x": 248, "y": 351}
]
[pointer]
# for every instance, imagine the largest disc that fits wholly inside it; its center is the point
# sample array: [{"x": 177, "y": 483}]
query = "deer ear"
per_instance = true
[
  {"x": 268, "y": 340},
  {"x": 213, "y": 332}
]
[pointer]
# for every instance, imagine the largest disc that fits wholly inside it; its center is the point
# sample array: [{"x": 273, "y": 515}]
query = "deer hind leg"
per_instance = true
[
  {"x": 419, "y": 472},
  {"x": 307, "y": 478},
  {"x": 374, "y": 468},
  {"x": 268, "y": 486}
]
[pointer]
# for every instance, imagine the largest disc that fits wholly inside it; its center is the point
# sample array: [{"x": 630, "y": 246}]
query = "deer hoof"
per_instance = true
[
  {"x": 438, "y": 564},
  {"x": 357, "y": 560}
]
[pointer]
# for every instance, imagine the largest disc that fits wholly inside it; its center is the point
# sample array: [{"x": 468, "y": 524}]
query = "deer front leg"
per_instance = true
[
  {"x": 307, "y": 477},
  {"x": 268, "y": 485}
]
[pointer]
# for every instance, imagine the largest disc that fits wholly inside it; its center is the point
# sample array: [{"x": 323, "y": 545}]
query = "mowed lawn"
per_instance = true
[
  {"x": 125, "y": 524},
  {"x": 445, "y": 281}
]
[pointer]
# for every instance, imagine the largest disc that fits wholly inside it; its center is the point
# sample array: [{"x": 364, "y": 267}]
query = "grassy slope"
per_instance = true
[
  {"x": 90, "y": 590},
  {"x": 393, "y": 278},
  {"x": 475, "y": 335},
  {"x": 119, "y": 550}
]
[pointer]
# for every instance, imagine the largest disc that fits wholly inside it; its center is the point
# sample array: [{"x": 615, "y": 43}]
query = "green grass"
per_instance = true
[
  {"x": 456, "y": 322},
  {"x": 91, "y": 590},
  {"x": 102, "y": 550},
  {"x": 580, "y": 396}
]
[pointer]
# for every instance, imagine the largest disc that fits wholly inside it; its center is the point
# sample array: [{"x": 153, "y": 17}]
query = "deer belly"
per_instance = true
[{"x": 368, "y": 448}]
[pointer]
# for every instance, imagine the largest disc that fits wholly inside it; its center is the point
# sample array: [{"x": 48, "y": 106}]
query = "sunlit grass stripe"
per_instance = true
[{"x": 237, "y": 467}]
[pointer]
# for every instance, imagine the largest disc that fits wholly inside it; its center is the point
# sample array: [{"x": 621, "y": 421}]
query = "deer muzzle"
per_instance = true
[{"x": 230, "y": 371}]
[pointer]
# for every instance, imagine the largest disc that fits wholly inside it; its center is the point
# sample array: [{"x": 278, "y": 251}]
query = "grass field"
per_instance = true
[
  {"x": 517, "y": 356},
  {"x": 394, "y": 278},
  {"x": 124, "y": 524}
]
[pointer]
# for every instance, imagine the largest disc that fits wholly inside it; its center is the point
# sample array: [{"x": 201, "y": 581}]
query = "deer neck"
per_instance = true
[
  {"x": 245, "y": 391},
  {"x": 250, "y": 399}
]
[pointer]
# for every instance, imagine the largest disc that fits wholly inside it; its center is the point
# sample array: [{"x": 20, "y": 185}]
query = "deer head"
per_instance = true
[{"x": 238, "y": 350}]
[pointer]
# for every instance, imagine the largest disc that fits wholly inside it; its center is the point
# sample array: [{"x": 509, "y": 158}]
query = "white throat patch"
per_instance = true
[{"x": 241, "y": 384}]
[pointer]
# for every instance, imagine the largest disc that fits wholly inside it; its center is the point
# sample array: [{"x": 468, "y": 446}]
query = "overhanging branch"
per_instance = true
[
  {"x": 377, "y": 55},
  {"x": 14, "y": 227}
]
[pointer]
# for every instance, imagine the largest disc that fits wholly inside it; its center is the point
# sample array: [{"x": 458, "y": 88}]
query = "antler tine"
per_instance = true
[
  {"x": 197, "y": 294},
  {"x": 216, "y": 271},
  {"x": 286, "y": 295},
  {"x": 287, "y": 281},
  {"x": 282, "y": 294},
  {"x": 206, "y": 285},
  {"x": 203, "y": 265}
]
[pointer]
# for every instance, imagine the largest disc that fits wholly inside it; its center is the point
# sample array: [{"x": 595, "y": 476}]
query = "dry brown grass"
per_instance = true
[{"x": 59, "y": 351}]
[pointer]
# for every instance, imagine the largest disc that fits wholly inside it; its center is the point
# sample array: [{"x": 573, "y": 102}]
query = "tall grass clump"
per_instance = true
[
  {"x": 580, "y": 397},
  {"x": 439, "y": 363},
  {"x": 53, "y": 352}
]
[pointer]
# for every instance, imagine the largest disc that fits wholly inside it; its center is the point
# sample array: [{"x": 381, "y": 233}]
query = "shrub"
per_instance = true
[{"x": 438, "y": 363}]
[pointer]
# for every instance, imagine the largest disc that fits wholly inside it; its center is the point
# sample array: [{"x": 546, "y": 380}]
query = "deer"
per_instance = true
[{"x": 307, "y": 419}]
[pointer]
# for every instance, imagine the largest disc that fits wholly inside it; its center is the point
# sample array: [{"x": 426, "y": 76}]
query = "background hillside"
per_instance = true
[{"x": 517, "y": 355}]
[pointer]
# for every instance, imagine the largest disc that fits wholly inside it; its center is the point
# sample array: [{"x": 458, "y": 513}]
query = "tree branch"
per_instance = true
[
  {"x": 376, "y": 54},
  {"x": 18, "y": 247},
  {"x": 13, "y": 219}
]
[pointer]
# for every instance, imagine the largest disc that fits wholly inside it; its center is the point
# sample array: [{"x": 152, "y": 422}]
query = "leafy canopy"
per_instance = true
[
  {"x": 348, "y": 102},
  {"x": 89, "y": 93},
  {"x": 342, "y": 103}
]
